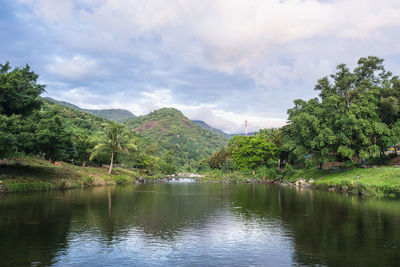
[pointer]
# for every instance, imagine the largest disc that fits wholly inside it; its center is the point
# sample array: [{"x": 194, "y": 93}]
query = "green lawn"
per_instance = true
[
  {"x": 33, "y": 174},
  {"x": 372, "y": 181}
]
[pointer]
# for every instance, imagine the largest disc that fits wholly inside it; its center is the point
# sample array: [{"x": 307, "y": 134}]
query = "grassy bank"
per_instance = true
[
  {"x": 35, "y": 174},
  {"x": 379, "y": 181}
]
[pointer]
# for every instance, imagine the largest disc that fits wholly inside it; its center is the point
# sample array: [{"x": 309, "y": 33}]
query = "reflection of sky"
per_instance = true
[{"x": 225, "y": 238}]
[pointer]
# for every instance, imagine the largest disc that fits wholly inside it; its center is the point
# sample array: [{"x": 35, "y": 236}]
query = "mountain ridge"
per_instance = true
[
  {"x": 119, "y": 115},
  {"x": 168, "y": 130}
]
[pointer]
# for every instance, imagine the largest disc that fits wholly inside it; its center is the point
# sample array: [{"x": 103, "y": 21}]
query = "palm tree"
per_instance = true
[{"x": 115, "y": 138}]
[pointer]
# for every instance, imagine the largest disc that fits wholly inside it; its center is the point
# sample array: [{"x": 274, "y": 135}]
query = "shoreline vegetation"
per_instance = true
[
  {"x": 353, "y": 123},
  {"x": 29, "y": 173}
]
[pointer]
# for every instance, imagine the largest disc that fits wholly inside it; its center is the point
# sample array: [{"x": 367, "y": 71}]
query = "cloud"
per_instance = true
[
  {"x": 75, "y": 68},
  {"x": 221, "y": 61},
  {"x": 229, "y": 36}
]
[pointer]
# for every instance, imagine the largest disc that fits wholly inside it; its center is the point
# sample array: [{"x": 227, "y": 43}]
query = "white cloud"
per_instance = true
[
  {"x": 75, "y": 68},
  {"x": 280, "y": 45},
  {"x": 230, "y": 36}
]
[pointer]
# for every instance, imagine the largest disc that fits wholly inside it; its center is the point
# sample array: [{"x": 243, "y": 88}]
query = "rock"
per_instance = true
[
  {"x": 301, "y": 182},
  {"x": 311, "y": 181}
]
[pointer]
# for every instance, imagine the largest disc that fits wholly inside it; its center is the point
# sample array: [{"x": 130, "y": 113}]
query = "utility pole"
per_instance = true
[{"x": 245, "y": 128}]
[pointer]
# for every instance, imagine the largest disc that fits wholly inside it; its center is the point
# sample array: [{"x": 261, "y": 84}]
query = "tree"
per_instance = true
[
  {"x": 19, "y": 91},
  {"x": 19, "y": 97},
  {"x": 84, "y": 145},
  {"x": 9, "y": 127},
  {"x": 51, "y": 136},
  {"x": 254, "y": 151},
  {"x": 353, "y": 118},
  {"x": 115, "y": 138}
]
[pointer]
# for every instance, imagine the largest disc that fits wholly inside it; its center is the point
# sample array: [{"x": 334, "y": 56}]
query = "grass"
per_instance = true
[
  {"x": 380, "y": 181},
  {"x": 35, "y": 174}
]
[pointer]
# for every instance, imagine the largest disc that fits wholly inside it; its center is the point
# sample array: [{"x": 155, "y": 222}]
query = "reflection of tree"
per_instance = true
[
  {"x": 159, "y": 211},
  {"x": 328, "y": 228},
  {"x": 32, "y": 230},
  {"x": 325, "y": 228}
]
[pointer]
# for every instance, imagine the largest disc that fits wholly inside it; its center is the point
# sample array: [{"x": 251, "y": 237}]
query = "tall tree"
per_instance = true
[
  {"x": 353, "y": 118},
  {"x": 115, "y": 138},
  {"x": 19, "y": 90},
  {"x": 19, "y": 97},
  {"x": 253, "y": 151},
  {"x": 51, "y": 136}
]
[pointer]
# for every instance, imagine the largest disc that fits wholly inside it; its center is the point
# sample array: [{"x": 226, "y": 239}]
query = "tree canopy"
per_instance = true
[{"x": 355, "y": 116}]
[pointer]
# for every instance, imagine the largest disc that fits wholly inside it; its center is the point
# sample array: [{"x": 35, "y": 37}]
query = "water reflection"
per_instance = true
[{"x": 200, "y": 224}]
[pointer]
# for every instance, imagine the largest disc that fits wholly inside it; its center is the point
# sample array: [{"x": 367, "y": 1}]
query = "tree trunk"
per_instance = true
[
  {"x": 111, "y": 163},
  {"x": 84, "y": 163}
]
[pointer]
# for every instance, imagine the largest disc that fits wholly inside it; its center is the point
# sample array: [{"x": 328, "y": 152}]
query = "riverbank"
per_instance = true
[
  {"x": 375, "y": 181},
  {"x": 34, "y": 174}
]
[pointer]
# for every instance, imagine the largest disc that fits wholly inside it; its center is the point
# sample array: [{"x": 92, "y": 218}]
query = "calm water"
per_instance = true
[{"x": 197, "y": 224}]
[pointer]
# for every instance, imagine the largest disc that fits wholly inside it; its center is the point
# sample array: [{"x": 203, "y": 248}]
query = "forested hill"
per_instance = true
[
  {"x": 205, "y": 126},
  {"x": 119, "y": 115},
  {"x": 167, "y": 130}
]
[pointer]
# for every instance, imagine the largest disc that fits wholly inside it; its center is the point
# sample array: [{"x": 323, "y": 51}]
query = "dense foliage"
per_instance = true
[
  {"x": 168, "y": 133},
  {"x": 247, "y": 152},
  {"x": 354, "y": 118},
  {"x": 19, "y": 96},
  {"x": 166, "y": 141}
]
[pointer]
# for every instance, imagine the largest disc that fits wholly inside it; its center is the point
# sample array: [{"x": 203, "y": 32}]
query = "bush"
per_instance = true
[
  {"x": 289, "y": 171},
  {"x": 381, "y": 160},
  {"x": 349, "y": 164}
]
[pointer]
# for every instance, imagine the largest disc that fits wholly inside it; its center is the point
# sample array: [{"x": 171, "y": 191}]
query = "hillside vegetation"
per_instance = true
[
  {"x": 205, "y": 126},
  {"x": 167, "y": 130},
  {"x": 119, "y": 115}
]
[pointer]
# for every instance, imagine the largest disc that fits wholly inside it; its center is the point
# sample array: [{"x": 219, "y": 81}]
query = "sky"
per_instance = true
[{"x": 220, "y": 61}]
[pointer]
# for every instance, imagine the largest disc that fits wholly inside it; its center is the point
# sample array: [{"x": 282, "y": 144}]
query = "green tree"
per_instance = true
[
  {"x": 51, "y": 135},
  {"x": 115, "y": 138},
  {"x": 84, "y": 144},
  {"x": 9, "y": 128},
  {"x": 19, "y": 90},
  {"x": 353, "y": 118},
  {"x": 19, "y": 97},
  {"x": 253, "y": 151}
]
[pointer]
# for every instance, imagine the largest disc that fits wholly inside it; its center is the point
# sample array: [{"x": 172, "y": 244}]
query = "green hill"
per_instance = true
[
  {"x": 167, "y": 129},
  {"x": 76, "y": 118},
  {"x": 119, "y": 115},
  {"x": 205, "y": 126}
]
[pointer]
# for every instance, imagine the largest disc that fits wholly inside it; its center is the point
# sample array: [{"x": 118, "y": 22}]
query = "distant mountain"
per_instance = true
[
  {"x": 75, "y": 117},
  {"x": 119, "y": 115},
  {"x": 167, "y": 129},
  {"x": 205, "y": 126}
]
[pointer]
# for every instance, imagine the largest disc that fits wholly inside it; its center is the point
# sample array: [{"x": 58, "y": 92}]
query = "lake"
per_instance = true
[{"x": 198, "y": 224}]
